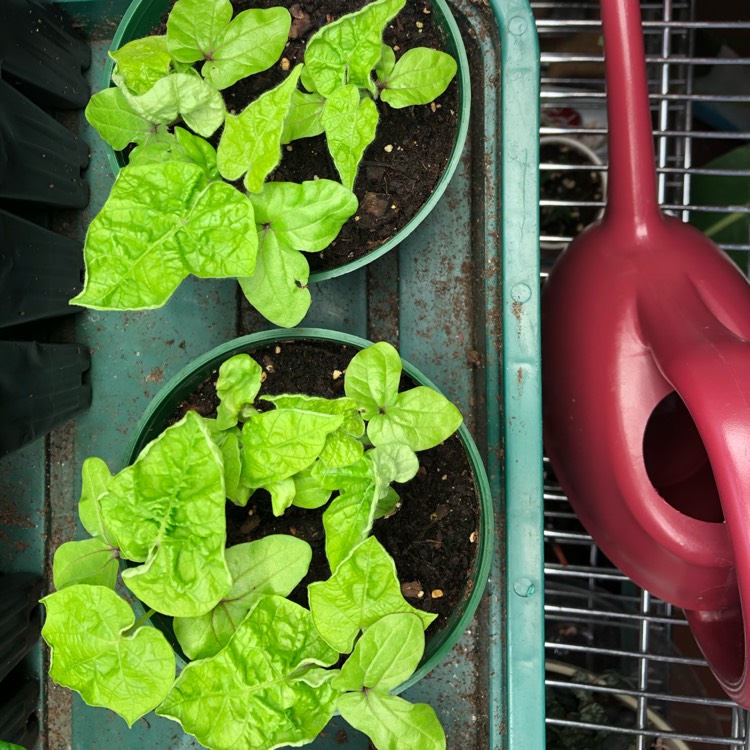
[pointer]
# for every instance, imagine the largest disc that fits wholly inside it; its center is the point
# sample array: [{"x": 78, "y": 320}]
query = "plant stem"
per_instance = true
[{"x": 145, "y": 618}]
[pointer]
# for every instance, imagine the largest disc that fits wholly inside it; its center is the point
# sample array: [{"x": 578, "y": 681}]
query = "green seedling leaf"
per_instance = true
[
  {"x": 277, "y": 444},
  {"x": 421, "y": 418},
  {"x": 167, "y": 511},
  {"x": 187, "y": 95},
  {"x": 143, "y": 62},
  {"x": 373, "y": 377},
  {"x": 303, "y": 120},
  {"x": 252, "y": 42},
  {"x": 160, "y": 223},
  {"x": 194, "y": 25},
  {"x": 272, "y": 565},
  {"x": 346, "y": 50},
  {"x": 306, "y": 216},
  {"x": 251, "y": 142},
  {"x": 341, "y": 450},
  {"x": 349, "y": 518},
  {"x": 255, "y": 693},
  {"x": 95, "y": 482},
  {"x": 282, "y": 495},
  {"x": 93, "y": 652},
  {"x": 419, "y": 77},
  {"x": 110, "y": 113},
  {"x": 353, "y": 423},
  {"x": 199, "y": 151},
  {"x": 91, "y": 561},
  {"x": 278, "y": 288},
  {"x": 363, "y": 589},
  {"x": 181, "y": 146},
  {"x": 228, "y": 442},
  {"x": 307, "y": 490},
  {"x": 386, "y": 63},
  {"x": 350, "y": 126},
  {"x": 387, "y": 504},
  {"x": 239, "y": 381},
  {"x": 385, "y": 656},
  {"x": 392, "y": 722}
]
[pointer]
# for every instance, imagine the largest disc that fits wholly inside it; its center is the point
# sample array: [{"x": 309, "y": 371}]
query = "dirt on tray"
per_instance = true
[
  {"x": 432, "y": 538},
  {"x": 402, "y": 166}
]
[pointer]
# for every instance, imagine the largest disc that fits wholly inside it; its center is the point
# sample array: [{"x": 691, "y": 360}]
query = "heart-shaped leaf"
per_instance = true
[
  {"x": 255, "y": 693},
  {"x": 419, "y": 77},
  {"x": 87, "y": 628},
  {"x": 143, "y": 62},
  {"x": 194, "y": 25},
  {"x": 110, "y": 113},
  {"x": 272, "y": 565},
  {"x": 91, "y": 561}
]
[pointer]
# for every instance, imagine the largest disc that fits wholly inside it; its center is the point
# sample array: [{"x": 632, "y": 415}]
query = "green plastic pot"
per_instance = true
[
  {"x": 143, "y": 15},
  {"x": 163, "y": 406}
]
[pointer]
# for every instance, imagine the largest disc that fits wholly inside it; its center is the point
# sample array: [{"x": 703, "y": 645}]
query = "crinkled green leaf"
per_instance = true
[
  {"x": 347, "y": 522},
  {"x": 184, "y": 95},
  {"x": 160, "y": 223},
  {"x": 278, "y": 288},
  {"x": 282, "y": 495},
  {"x": 143, "y": 62},
  {"x": 353, "y": 423},
  {"x": 341, "y": 449},
  {"x": 372, "y": 378},
  {"x": 228, "y": 442},
  {"x": 304, "y": 216},
  {"x": 350, "y": 126},
  {"x": 95, "y": 481},
  {"x": 385, "y": 64},
  {"x": 252, "y": 42},
  {"x": 420, "y": 418},
  {"x": 194, "y": 25},
  {"x": 277, "y": 444},
  {"x": 239, "y": 381},
  {"x": 354, "y": 477},
  {"x": 303, "y": 120},
  {"x": 110, "y": 113},
  {"x": 393, "y": 462},
  {"x": 363, "y": 589},
  {"x": 92, "y": 561},
  {"x": 307, "y": 490},
  {"x": 419, "y": 77},
  {"x": 272, "y": 565},
  {"x": 181, "y": 146},
  {"x": 199, "y": 151},
  {"x": 253, "y": 694},
  {"x": 92, "y": 652},
  {"x": 346, "y": 50},
  {"x": 392, "y": 722},
  {"x": 385, "y": 656},
  {"x": 250, "y": 144},
  {"x": 167, "y": 511}
]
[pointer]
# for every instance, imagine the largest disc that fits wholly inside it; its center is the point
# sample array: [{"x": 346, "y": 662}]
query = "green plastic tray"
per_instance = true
[{"x": 460, "y": 298}]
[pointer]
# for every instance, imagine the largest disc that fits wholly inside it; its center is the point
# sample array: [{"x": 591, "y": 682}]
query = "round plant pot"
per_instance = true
[
  {"x": 575, "y": 185},
  {"x": 143, "y": 16},
  {"x": 166, "y": 404}
]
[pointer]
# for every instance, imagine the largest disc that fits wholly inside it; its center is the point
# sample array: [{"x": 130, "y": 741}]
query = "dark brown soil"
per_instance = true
[
  {"x": 393, "y": 184},
  {"x": 432, "y": 538}
]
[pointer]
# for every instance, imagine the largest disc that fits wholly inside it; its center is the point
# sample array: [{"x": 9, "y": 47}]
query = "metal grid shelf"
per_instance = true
[{"x": 620, "y": 640}]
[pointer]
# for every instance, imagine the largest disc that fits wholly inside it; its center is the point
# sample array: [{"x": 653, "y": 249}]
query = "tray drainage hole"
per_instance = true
[{"x": 677, "y": 463}]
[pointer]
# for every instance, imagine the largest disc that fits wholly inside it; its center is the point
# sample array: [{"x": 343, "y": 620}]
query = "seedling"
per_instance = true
[
  {"x": 262, "y": 673},
  {"x": 175, "y": 210}
]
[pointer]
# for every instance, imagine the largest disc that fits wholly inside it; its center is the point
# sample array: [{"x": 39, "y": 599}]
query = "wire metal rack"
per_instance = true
[{"x": 603, "y": 635}]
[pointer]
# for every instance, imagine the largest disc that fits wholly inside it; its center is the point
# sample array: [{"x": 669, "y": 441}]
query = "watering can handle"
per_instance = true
[{"x": 708, "y": 364}]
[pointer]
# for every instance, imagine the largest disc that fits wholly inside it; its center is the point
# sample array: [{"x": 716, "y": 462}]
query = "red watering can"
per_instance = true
[{"x": 646, "y": 376}]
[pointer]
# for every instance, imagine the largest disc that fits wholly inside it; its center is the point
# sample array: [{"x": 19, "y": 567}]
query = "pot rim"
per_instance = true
[
  {"x": 201, "y": 367},
  {"x": 453, "y": 43}
]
